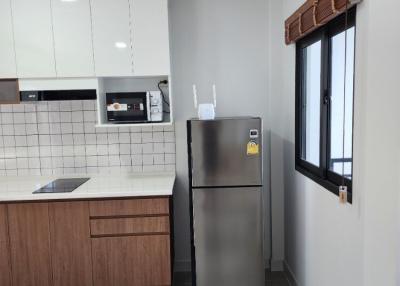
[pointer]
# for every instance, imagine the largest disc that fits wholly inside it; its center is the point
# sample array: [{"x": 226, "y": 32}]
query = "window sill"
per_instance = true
[{"x": 331, "y": 187}]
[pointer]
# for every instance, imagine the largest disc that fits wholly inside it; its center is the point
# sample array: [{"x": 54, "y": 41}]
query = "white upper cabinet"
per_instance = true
[
  {"x": 150, "y": 37},
  {"x": 33, "y": 38},
  {"x": 111, "y": 37},
  {"x": 72, "y": 29},
  {"x": 8, "y": 68}
]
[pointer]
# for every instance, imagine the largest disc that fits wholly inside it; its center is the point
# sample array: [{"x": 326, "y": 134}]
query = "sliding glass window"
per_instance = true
[{"x": 324, "y": 103}]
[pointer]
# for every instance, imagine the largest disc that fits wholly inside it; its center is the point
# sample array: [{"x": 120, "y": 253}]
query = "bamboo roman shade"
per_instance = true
[{"x": 313, "y": 14}]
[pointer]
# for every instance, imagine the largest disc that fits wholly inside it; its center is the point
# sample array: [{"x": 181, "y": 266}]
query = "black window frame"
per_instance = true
[{"x": 322, "y": 174}]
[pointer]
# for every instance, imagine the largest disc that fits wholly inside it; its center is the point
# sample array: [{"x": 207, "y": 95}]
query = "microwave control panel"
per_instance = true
[{"x": 155, "y": 101}]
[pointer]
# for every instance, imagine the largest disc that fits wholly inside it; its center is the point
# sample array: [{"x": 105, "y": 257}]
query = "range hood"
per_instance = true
[{"x": 58, "y": 89}]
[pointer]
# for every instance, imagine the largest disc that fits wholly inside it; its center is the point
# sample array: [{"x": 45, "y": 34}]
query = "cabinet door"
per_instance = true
[
  {"x": 70, "y": 244},
  {"x": 5, "y": 267},
  {"x": 73, "y": 38},
  {"x": 30, "y": 244},
  {"x": 134, "y": 260},
  {"x": 111, "y": 37},
  {"x": 8, "y": 68},
  {"x": 150, "y": 37},
  {"x": 33, "y": 38}
]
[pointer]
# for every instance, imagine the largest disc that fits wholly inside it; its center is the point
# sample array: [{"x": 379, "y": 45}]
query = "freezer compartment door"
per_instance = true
[
  {"x": 220, "y": 152},
  {"x": 228, "y": 237}
]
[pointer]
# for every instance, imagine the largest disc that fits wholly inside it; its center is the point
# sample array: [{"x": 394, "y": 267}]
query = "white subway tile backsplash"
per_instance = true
[
  {"x": 170, "y": 159},
  {"x": 79, "y": 139},
  {"x": 89, "y": 105},
  {"x": 29, "y": 107},
  {"x": 8, "y": 129},
  {"x": 90, "y": 139},
  {"x": 125, "y": 149},
  {"x": 158, "y": 159},
  {"x": 18, "y": 118},
  {"x": 169, "y": 148},
  {"x": 60, "y": 137},
  {"x": 42, "y": 106},
  {"x": 147, "y": 137},
  {"x": 66, "y": 128},
  {"x": 56, "y": 139},
  {"x": 66, "y": 117},
  {"x": 147, "y": 148},
  {"x": 91, "y": 150},
  {"x": 44, "y": 128},
  {"x": 20, "y": 129},
  {"x": 68, "y": 150},
  {"x": 67, "y": 139},
  {"x": 102, "y": 150},
  {"x": 77, "y": 116},
  {"x": 76, "y": 105},
  {"x": 54, "y": 117},
  {"x": 68, "y": 162},
  {"x": 79, "y": 150},
  {"x": 148, "y": 159},
  {"x": 126, "y": 160},
  {"x": 44, "y": 140},
  {"x": 54, "y": 106},
  {"x": 31, "y": 129},
  {"x": 18, "y": 108},
  {"x": 42, "y": 117},
  {"x": 45, "y": 151},
  {"x": 89, "y": 116},
  {"x": 9, "y": 141},
  {"x": 102, "y": 139},
  {"x": 124, "y": 138},
  {"x": 102, "y": 161},
  {"x": 113, "y": 138},
  {"x": 113, "y": 149},
  {"x": 169, "y": 137},
  {"x": 22, "y": 152},
  {"x": 6, "y": 108},
  {"x": 22, "y": 163},
  {"x": 7, "y": 118},
  {"x": 65, "y": 106},
  {"x": 33, "y": 151},
  {"x": 137, "y": 160},
  {"x": 56, "y": 151}
]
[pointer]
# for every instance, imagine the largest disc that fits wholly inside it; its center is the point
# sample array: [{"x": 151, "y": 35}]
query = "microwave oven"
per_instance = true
[{"x": 134, "y": 107}]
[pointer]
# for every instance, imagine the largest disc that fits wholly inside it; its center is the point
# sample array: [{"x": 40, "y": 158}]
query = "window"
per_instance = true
[{"x": 324, "y": 103}]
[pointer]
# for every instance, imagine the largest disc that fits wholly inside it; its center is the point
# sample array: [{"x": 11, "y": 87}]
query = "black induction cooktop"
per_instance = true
[{"x": 62, "y": 186}]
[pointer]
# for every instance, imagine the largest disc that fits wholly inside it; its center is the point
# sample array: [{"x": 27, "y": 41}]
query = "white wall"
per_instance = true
[
  {"x": 327, "y": 243},
  {"x": 222, "y": 42}
]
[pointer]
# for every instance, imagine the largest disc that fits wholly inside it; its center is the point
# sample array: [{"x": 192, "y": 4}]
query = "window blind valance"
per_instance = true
[{"x": 312, "y": 15}]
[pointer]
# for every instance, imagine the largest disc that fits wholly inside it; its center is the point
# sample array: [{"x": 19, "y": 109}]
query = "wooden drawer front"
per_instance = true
[
  {"x": 132, "y": 207},
  {"x": 129, "y": 226}
]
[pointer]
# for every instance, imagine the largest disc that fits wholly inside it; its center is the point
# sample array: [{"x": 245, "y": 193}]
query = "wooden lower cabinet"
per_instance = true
[
  {"x": 70, "y": 244},
  {"x": 52, "y": 243},
  {"x": 5, "y": 266},
  {"x": 131, "y": 260},
  {"x": 30, "y": 244}
]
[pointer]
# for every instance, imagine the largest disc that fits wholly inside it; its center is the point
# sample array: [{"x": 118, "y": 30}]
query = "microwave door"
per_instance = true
[{"x": 127, "y": 107}]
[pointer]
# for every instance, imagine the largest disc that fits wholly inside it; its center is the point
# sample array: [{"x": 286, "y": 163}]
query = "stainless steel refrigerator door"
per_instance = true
[
  {"x": 228, "y": 237},
  {"x": 219, "y": 152}
]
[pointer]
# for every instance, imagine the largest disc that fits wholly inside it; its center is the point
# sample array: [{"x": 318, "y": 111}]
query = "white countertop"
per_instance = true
[{"x": 20, "y": 188}]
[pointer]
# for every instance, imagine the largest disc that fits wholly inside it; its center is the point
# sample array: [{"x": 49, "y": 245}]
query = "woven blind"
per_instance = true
[{"x": 313, "y": 14}]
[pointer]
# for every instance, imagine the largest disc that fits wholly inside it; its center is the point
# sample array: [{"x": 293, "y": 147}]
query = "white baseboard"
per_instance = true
[
  {"x": 182, "y": 266},
  {"x": 290, "y": 275}
]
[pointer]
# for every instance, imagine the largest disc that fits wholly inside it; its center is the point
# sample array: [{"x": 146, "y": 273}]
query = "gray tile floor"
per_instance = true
[{"x": 272, "y": 279}]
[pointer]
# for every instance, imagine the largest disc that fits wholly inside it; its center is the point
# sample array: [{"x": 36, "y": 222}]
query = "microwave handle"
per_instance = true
[{"x": 148, "y": 103}]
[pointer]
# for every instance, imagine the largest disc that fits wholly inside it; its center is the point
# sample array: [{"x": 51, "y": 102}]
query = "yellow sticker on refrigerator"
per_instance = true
[{"x": 253, "y": 148}]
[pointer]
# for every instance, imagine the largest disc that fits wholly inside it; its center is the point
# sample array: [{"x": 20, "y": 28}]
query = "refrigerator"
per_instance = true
[{"x": 225, "y": 180}]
